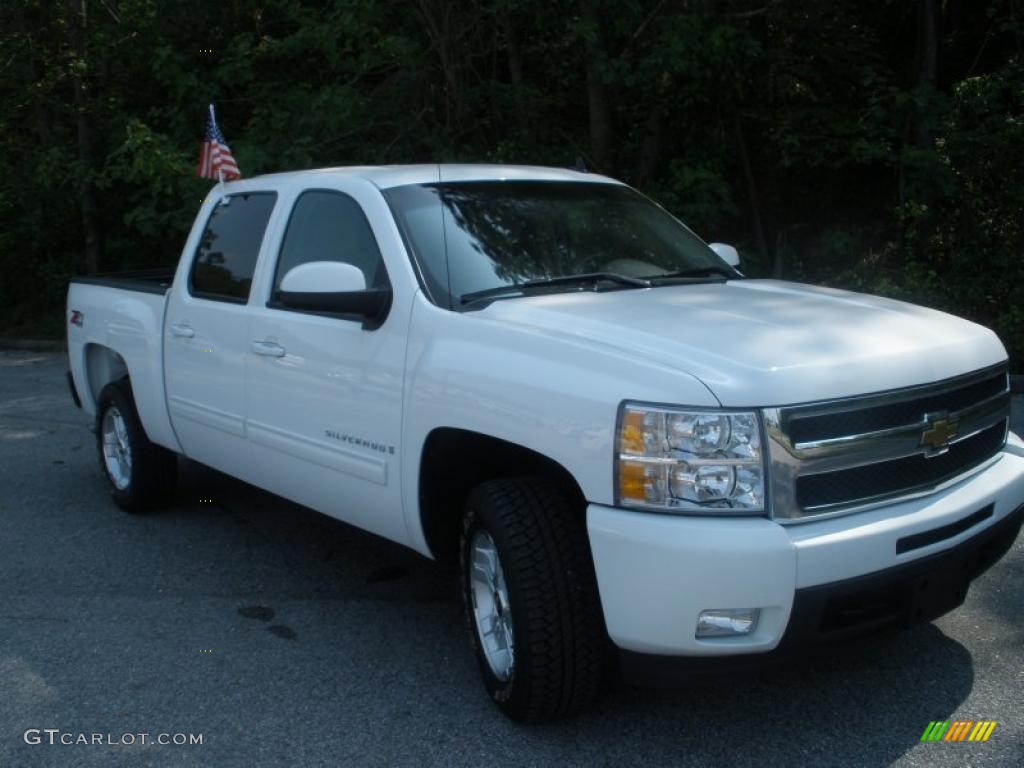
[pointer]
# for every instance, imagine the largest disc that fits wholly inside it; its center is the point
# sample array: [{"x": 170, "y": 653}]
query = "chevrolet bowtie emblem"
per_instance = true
[{"x": 938, "y": 433}]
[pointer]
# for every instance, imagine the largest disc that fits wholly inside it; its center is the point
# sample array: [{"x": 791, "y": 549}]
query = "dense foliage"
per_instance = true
[{"x": 877, "y": 145}]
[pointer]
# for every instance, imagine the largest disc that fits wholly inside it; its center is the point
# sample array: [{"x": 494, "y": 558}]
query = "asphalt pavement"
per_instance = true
[{"x": 283, "y": 637}]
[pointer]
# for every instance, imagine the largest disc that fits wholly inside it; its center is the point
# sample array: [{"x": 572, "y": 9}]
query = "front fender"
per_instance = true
[{"x": 549, "y": 391}]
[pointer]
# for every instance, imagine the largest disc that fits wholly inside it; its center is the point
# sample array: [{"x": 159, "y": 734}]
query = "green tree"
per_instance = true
[{"x": 873, "y": 145}]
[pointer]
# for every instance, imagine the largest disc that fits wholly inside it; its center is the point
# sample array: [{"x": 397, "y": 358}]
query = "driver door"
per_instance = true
[{"x": 324, "y": 393}]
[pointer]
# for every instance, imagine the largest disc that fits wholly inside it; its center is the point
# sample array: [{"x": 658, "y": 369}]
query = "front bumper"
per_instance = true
[{"x": 814, "y": 580}]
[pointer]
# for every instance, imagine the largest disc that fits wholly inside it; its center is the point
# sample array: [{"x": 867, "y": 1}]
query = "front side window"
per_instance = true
[
  {"x": 225, "y": 259},
  {"x": 330, "y": 226},
  {"x": 469, "y": 237}
]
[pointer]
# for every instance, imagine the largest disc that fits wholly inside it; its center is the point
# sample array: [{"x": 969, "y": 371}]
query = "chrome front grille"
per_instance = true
[{"x": 843, "y": 455}]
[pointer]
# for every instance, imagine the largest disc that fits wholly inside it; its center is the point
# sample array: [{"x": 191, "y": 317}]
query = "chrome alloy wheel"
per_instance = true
[
  {"x": 117, "y": 454},
  {"x": 491, "y": 608}
]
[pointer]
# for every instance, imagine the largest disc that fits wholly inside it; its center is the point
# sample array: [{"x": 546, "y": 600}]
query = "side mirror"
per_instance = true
[
  {"x": 323, "y": 277},
  {"x": 726, "y": 253},
  {"x": 335, "y": 288}
]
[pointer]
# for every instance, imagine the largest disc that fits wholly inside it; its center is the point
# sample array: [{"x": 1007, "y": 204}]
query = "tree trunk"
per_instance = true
[
  {"x": 515, "y": 60},
  {"x": 597, "y": 97},
  {"x": 917, "y": 130},
  {"x": 927, "y": 65},
  {"x": 650, "y": 149},
  {"x": 87, "y": 198},
  {"x": 515, "y": 70},
  {"x": 437, "y": 18},
  {"x": 752, "y": 196}
]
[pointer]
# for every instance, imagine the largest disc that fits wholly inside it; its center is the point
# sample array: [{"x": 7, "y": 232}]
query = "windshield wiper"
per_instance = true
[
  {"x": 711, "y": 269},
  {"x": 581, "y": 279}
]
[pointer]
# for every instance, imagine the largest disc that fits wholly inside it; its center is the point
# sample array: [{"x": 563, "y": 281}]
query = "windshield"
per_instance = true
[{"x": 469, "y": 237}]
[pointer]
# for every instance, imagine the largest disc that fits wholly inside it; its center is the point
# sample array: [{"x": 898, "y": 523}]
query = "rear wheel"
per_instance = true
[
  {"x": 531, "y": 598},
  {"x": 140, "y": 475}
]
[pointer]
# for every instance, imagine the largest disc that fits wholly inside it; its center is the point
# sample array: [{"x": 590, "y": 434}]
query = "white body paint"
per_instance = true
[{"x": 339, "y": 420}]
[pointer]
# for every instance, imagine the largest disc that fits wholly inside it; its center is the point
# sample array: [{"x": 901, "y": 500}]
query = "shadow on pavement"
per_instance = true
[{"x": 866, "y": 703}]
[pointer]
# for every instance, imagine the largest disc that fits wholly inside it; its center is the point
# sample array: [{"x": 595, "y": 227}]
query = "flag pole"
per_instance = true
[{"x": 220, "y": 172}]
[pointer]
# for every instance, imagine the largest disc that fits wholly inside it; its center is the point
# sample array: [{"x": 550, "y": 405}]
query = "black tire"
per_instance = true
[
  {"x": 153, "y": 469},
  {"x": 558, "y": 629}
]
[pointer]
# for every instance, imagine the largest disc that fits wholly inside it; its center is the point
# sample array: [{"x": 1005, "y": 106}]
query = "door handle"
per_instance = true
[
  {"x": 180, "y": 329},
  {"x": 267, "y": 349}
]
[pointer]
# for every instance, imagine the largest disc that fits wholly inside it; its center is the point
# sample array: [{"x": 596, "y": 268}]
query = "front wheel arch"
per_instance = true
[
  {"x": 544, "y": 622},
  {"x": 455, "y": 461}
]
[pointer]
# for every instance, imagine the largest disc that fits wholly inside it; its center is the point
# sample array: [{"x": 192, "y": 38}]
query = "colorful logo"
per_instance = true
[{"x": 958, "y": 730}]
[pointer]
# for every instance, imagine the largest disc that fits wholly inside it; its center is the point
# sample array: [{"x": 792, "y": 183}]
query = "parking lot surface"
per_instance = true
[{"x": 284, "y": 637}]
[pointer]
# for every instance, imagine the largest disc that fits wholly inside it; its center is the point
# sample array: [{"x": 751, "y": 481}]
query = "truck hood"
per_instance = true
[{"x": 767, "y": 342}]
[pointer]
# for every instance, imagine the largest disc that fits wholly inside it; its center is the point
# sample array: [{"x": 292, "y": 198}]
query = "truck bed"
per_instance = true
[
  {"x": 157, "y": 280},
  {"x": 119, "y": 331}
]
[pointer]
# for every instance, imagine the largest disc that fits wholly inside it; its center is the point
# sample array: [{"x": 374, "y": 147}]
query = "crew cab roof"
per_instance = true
[{"x": 387, "y": 176}]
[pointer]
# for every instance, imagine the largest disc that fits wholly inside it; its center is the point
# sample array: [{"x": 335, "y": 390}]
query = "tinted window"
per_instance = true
[
  {"x": 226, "y": 257},
  {"x": 471, "y": 236},
  {"x": 330, "y": 226},
  {"x": 419, "y": 214}
]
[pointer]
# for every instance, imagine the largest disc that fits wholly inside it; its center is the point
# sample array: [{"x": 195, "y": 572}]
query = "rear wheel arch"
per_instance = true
[
  {"x": 102, "y": 366},
  {"x": 455, "y": 461},
  {"x": 140, "y": 475}
]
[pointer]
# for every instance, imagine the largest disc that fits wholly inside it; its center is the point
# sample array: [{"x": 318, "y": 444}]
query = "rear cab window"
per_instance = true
[{"x": 225, "y": 259}]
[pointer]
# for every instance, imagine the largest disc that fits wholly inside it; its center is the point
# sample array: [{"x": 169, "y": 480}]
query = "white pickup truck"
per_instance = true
[{"x": 635, "y": 453}]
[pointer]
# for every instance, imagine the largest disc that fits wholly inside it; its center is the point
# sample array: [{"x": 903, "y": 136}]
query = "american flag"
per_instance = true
[{"x": 215, "y": 158}]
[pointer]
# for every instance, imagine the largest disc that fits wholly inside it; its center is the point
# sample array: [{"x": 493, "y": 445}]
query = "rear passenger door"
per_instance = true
[
  {"x": 206, "y": 333},
  {"x": 323, "y": 392}
]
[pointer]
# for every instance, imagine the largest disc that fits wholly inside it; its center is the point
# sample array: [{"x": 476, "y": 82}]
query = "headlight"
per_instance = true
[{"x": 673, "y": 459}]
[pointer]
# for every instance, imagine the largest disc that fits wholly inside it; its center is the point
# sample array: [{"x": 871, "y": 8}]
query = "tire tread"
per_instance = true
[
  {"x": 154, "y": 468},
  {"x": 548, "y": 556}
]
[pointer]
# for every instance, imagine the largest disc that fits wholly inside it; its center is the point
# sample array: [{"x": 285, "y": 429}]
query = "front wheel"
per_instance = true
[
  {"x": 140, "y": 475},
  {"x": 531, "y": 598}
]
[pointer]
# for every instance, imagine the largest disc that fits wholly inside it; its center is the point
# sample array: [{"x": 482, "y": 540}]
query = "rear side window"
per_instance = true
[
  {"x": 226, "y": 257},
  {"x": 326, "y": 225}
]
